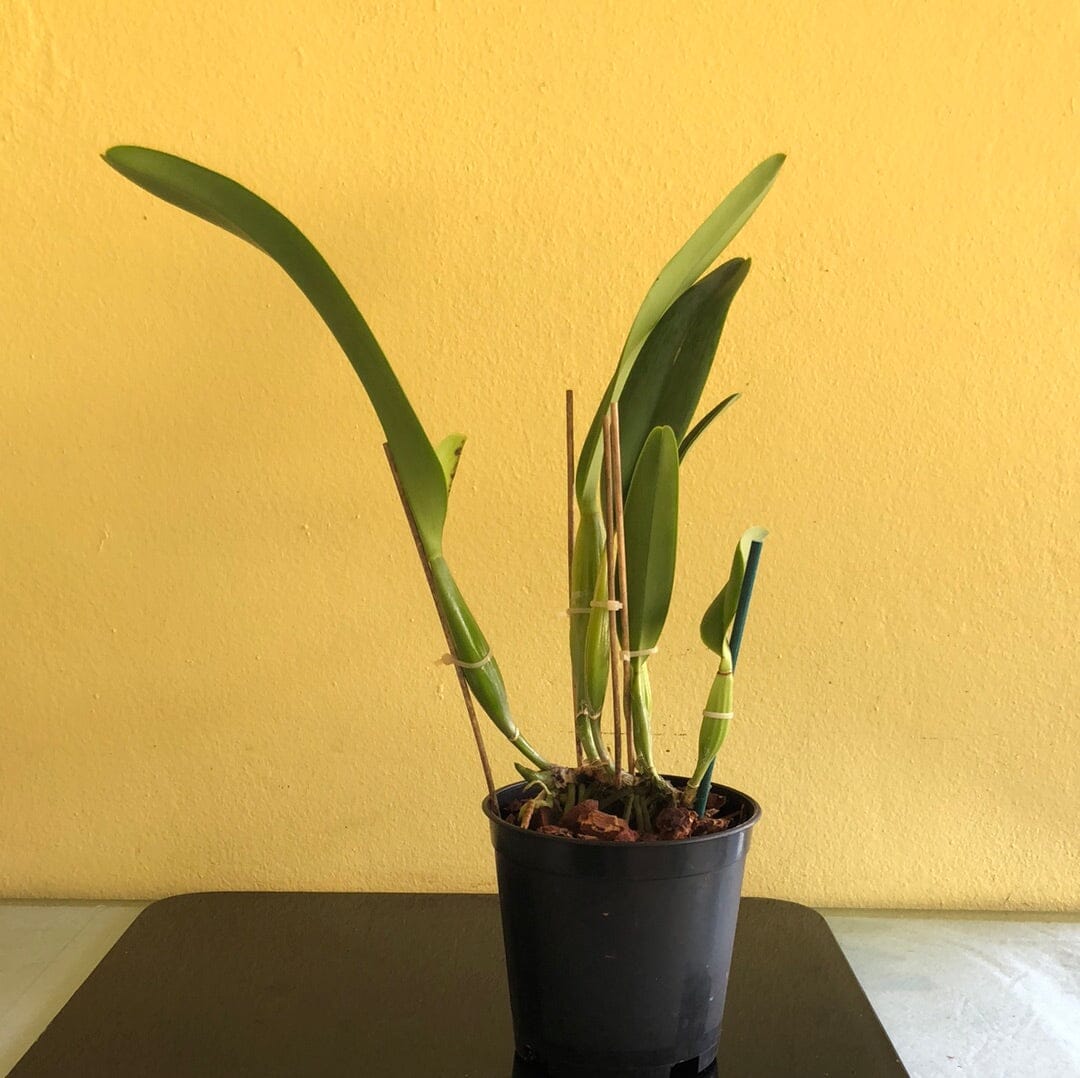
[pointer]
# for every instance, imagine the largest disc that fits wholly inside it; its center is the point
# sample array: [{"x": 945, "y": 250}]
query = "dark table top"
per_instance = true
[{"x": 240, "y": 984}]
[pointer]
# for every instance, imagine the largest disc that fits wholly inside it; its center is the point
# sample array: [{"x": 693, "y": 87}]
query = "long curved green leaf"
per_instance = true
[
  {"x": 685, "y": 267},
  {"x": 703, "y": 424},
  {"x": 225, "y": 203},
  {"x": 652, "y": 518},
  {"x": 424, "y": 473},
  {"x": 716, "y": 623},
  {"x": 665, "y": 384}
]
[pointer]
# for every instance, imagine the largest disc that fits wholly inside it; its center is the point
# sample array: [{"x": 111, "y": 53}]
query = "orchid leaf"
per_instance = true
[
  {"x": 651, "y": 519},
  {"x": 665, "y": 385},
  {"x": 227, "y": 204},
  {"x": 716, "y": 624},
  {"x": 685, "y": 267},
  {"x": 423, "y": 473},
  {"x": 704, "y": 423}
]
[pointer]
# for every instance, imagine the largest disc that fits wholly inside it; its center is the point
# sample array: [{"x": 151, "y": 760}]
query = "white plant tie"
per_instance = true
[
  {"x": 596, "y": 604},
  {"x": 628, "y": 655},
  {"x": 451, "y": 660},
  {"x": 718, "y": 714}
]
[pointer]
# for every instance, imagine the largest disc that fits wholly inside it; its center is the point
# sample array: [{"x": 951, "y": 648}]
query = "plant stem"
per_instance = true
[
  {"x": 738, "y": 625},
  {"x": 598, "y": 740},
  {"x": 588, "y": 686},
  {"x": 641, "y": 704},
  {"x": 624, "y": 613},
  {"x": 711, "y": 736},
  {"x": 608, "y": 483},
  {"x": 570, "y": 505},
  {"x": 465, "y": 693}
]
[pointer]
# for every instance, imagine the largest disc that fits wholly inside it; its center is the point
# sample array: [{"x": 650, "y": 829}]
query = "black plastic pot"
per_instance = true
[{"x": 618, "y": 954}]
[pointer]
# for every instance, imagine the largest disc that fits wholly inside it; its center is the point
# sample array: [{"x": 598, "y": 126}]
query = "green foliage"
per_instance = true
[
  {"x": 652, "y": 525},
  {"x": 425, "y": 474},
  {"x": 716, "y": 630},
  {"x": 224, "y": 203},
  {"x": 588, "y": 631},
  {"x": 704, "y": 423},
  {"x": 665, "y": 384},
  {"x": 695, "y": 256},
  {"x": 717, "y": 620},
  {"x": 658, "y": 383}
]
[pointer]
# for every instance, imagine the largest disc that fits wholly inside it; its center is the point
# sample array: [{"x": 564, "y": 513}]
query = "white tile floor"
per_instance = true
[
  {"x": 988, "y": 996},
  {"x": 983, "y": 995},
  {"x": 47, "y": 949}
]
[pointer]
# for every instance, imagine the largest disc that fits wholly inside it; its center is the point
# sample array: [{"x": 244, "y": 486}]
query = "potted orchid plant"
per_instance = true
[{"x": 619, "y": 885}]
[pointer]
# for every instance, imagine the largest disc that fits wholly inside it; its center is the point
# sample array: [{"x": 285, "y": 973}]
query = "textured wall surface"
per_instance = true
[{"x": 218, "y": 654}]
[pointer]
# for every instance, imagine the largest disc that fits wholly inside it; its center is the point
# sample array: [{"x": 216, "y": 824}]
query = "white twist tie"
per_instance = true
[
  {"x": 606, "y": 604},
  {"x": 451, "y": 660},
  {"x": 718, "y": 714},
  {"x": 628, "y": 655}
]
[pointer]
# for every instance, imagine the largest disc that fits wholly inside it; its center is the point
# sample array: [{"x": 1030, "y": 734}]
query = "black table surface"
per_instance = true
[{"x": 373, "y": 985}]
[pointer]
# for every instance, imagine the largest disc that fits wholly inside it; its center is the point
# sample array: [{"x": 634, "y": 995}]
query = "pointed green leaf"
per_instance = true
[
  {"x": 704, "y": 246},
  {"x": 704, "y": 423},
  {"x": 688, "y": 264},
  {"x": 716, "y": 624},
  {"x": 223, "y": 202},
  {"x": 652, "y": 518},
  {"x": 425, "y": 474},
  {"x": 665, "y": 385},
  {"x": 449, "y": 453}
]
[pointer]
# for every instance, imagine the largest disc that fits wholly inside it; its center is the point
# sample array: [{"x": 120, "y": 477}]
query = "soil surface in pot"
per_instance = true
[{"x": 586, "y": 806}]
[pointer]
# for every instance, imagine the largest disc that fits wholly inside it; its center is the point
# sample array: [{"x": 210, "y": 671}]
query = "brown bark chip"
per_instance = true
[
  {"x": 675, "y": 822},
  {"x": 586, "y": 820},
  {"x": 572, "y": 817}
]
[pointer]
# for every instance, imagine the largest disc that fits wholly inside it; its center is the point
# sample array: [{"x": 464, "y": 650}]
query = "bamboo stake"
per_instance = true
[
  {"x": 624, "y": 613},
  {"x": 466, "y": 694},
  {"x": 608, "y": 480},
  {"x": 570, "y": 501}
]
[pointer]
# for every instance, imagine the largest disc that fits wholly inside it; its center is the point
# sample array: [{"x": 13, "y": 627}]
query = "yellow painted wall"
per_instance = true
[{"x": 217, "y": 664}]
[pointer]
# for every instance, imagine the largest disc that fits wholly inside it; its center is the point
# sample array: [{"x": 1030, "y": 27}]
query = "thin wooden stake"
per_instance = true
[
  {"x": 624, "y": 613},
  {"x": 570, "y": 548},
  {"x": 610, "y": 549},
  {"x": 465, "y": 692}
]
